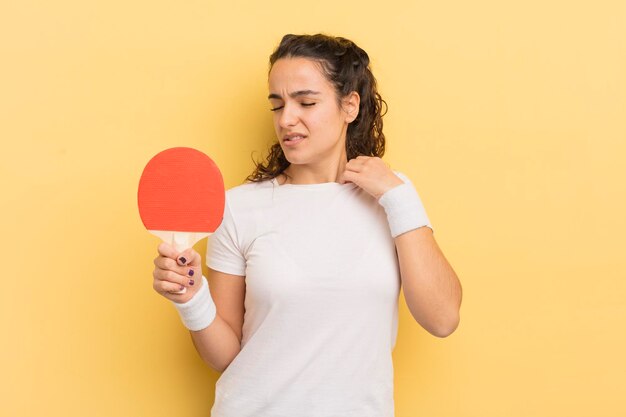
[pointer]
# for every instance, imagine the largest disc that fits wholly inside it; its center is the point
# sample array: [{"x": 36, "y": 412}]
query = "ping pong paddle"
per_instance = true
[{"x": 181, "y": 197}]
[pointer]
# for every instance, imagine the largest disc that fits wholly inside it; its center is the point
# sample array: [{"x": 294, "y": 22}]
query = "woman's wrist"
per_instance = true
[
  {"x": 199, "y": 312},
  {"x": 404, "y": 209}
]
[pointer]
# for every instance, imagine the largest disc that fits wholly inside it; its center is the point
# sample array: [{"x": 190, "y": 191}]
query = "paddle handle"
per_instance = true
[{"x": 180, "y": 242}]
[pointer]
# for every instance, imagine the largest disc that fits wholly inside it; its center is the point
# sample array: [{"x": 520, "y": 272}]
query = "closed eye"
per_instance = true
[{"x": 304, "y": 104}]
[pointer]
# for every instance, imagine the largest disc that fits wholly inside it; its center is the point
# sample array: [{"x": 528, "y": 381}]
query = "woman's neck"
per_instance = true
[{"x": 306, "y": 174}]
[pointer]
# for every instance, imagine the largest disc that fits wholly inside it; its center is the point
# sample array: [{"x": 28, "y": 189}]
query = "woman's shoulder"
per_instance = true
[
  {"x": 248, "y": 185},
  {"x": 248, "y": 190}
]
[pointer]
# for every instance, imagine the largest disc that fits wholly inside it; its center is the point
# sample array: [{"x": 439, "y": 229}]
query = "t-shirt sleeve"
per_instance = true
[{"x": 224, "y": 252}]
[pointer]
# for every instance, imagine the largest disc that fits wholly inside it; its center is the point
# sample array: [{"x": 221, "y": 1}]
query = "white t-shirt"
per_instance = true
[{"x": 321, "y": 304}]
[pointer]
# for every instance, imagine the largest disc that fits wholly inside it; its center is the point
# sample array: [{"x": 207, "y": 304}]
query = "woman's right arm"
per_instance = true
[{"x": 220, "y": 342}]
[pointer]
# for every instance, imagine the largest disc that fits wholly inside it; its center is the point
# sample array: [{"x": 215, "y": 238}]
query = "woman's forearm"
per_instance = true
[
  {"x": 431, "y": 288},
  {"x": 217, "y": 344}
]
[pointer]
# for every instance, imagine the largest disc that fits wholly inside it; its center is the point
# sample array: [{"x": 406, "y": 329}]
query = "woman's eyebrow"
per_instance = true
[{"x": 294, "y": 94}]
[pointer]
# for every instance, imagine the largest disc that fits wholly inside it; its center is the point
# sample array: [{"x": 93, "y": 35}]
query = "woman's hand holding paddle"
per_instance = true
[{"x": 174, "y": 271}]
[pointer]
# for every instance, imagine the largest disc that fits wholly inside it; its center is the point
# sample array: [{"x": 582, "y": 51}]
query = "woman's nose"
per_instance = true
[{"x": 288, "y": 116}]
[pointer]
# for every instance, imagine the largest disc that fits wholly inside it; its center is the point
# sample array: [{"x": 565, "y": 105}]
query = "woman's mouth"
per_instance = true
[{"x": 293, "y": 140}]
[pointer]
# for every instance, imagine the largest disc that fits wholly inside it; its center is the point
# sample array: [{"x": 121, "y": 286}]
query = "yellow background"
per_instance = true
[{"x": 509, "y": 118}]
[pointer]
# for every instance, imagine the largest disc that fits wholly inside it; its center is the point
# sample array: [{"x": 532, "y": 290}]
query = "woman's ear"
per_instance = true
[{"x": 351, "y": 106}]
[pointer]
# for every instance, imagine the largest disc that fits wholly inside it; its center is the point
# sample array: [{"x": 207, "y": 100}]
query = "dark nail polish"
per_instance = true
[
  {"x": 191, "y": 282},
  {"x": 182, "y": 287},
  {"x": 191, "y": 272},
  {"x": 182, "y": 260}
]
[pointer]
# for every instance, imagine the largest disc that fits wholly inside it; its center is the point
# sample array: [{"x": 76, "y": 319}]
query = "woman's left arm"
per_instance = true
[{"x": 431, "y": 288}]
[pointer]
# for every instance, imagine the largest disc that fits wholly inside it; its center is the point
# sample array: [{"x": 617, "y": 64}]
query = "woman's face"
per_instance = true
[{"x": 305, "y": 109}]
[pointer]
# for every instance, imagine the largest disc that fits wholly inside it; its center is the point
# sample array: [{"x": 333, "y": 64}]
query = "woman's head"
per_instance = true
[{"x": 338, "y": 67}]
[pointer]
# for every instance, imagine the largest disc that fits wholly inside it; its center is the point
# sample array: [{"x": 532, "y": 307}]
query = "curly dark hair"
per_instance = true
[{"x": 346, "y": 67}]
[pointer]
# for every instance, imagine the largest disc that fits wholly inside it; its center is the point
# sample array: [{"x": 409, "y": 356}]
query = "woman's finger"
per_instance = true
[
  {"x": 189, "y": 257},
  {"x": 170, "y": 276},
  {"x": 166, "y": 287},
  {"x": 167, "y": 251},
  {"x": 170, "y": 264}
]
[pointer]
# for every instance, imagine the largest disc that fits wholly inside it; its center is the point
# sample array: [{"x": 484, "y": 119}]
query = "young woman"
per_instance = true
[{"x": 306, "y": 268}]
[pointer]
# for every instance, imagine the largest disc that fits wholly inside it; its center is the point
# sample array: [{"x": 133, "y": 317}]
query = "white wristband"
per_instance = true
[
  {"x": 404, "y": 209},
  {"x": 199, "y": 312}
]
